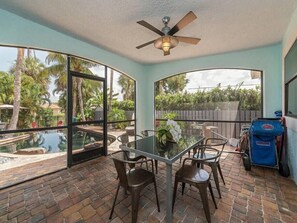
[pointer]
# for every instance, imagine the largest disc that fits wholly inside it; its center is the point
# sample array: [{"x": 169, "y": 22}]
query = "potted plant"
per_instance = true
[{"x": 170, "y": 132}]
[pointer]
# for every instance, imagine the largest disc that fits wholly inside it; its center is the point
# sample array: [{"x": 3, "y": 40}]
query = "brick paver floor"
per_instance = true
[{"x": 84, "y": 193}]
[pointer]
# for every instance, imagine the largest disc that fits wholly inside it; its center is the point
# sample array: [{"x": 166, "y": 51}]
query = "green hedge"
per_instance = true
[
  {"x": 217, "y": 98},
  {"x": 126, "y": 105}
]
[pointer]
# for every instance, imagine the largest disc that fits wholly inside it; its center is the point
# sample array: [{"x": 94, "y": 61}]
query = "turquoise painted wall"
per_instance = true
[{"x": 289, "y": 37}]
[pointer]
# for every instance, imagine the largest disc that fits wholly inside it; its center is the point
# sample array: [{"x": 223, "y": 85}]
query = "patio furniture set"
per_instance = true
[{"x": 133, "y": 178}]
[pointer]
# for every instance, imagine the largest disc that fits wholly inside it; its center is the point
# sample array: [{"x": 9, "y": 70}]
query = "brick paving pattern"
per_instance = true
[
  {"x": 84, "y": 193},
  {"x": 28, "y": 171}
]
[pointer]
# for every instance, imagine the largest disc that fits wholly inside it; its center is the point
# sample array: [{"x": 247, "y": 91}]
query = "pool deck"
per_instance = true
[
  {"x": 19, "y": 168},
  {"x": 21, "y": 160}
]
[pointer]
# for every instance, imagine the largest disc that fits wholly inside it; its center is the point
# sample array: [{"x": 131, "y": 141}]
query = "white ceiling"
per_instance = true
[{"x": 222, "y": 25}]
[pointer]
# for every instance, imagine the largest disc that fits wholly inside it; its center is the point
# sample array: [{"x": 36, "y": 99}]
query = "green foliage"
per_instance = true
[
  {"x": 45, "y": 117},
  {"x": 217, "y": 98},
  {"x": 174, "y": 84},
  {"x": 96, "y": 100},
  {"x": 117, "y": 115},
  {"x": 127, "y": 85},
  {"x": 169, "y": 115},
  {"x": 6, "y": 88},
  {"x": 163, "y": 135},
  {"x": 126, "y": 105}
]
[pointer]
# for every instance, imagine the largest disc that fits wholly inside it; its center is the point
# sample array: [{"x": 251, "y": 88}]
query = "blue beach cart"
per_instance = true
[{"x": 263, "y": 143}]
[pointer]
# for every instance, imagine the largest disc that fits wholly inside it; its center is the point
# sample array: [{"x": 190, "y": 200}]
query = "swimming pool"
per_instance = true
[{"x": 52, "y": 141}]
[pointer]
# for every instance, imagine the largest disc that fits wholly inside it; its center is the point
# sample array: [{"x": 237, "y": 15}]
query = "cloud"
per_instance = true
[{"x": 211, "y": 78}]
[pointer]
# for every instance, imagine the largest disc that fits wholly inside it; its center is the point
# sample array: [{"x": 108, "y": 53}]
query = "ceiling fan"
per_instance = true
[{"x": 167, "y": 40}]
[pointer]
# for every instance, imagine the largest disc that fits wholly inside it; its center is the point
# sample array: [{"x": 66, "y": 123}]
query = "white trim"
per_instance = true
[{"x": 291, "y": 123}]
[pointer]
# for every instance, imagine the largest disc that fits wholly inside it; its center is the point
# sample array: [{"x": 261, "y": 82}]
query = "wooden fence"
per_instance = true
[{"x": 228, "y": 122}]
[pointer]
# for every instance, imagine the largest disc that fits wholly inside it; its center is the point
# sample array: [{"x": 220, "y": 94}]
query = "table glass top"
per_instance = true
[{"x": 168, "y": 153}]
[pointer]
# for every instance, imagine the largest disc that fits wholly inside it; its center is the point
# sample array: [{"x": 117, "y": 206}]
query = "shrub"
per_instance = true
[
  {"x": 117, "y": 115},
  {"x": 249, "y": 99},
  {"x": 126, "y": 105}
]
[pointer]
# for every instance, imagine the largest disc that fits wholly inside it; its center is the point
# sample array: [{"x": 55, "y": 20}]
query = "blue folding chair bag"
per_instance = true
[
  {"x": 267, "y": 128},
  {"x": 263, "y": 152}
]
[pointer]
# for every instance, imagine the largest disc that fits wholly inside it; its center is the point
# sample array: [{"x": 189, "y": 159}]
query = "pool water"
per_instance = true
[{"x": 53, "y": 141}]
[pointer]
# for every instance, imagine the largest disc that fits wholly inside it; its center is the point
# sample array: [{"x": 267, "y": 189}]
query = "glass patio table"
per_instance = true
[{"x": 169, "y": 153}]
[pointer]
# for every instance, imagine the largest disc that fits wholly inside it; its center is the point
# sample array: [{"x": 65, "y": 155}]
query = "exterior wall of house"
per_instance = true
[{"x": 289, "y": 38}]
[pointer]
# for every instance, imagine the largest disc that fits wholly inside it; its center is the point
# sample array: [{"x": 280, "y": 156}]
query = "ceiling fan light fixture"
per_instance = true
[{"x": 166, "y": 43}]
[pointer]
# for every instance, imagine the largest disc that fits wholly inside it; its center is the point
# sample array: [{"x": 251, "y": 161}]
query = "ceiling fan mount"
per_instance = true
[
  {"x": 166, "y": 28},
  {"x": 168, "y": 40}
]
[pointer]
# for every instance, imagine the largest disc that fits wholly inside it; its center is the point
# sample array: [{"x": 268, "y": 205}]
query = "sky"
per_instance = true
[
  {"x": 199, "y": 79},
  {"x": 211, "y": 78}
]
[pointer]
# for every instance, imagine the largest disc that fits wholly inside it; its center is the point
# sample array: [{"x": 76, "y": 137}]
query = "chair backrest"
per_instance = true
[
  {"x": 124, "y": 138},
  {"x": 200, "y": 158},
  {"x": 120, "y": 160},
  {"x": 219, "y": 143},
  {"x": 147, "y": 132}
]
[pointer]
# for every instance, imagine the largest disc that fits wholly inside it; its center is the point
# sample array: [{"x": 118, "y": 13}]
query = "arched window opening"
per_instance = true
[
  {"x": 216, "y": 103},
  {"x": 64, "y": 108}
]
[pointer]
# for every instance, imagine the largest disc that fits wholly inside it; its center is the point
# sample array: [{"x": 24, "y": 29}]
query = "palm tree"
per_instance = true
[
  {"x": 17, "y": 90},
  {"x": 34, "y": 95},
  {"x": 59, "y": 70},
  {"x": 34, "y": 87},
  {"x": 81, "y": 66},
  {"x": 127, "y": 85},
  {"x": 37, "y": 70},
  {"x": 172, "y": 84}
]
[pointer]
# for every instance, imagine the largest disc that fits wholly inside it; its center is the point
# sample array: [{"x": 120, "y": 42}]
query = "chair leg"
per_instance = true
[
  {"x": 183, "y": 188},
  {"x": 203, "y": 193},
  {"x": 221, "y": 173},
  {"x": 216, "y": 177},
  {"x": 135, "y": 201},
  {"x": 195, "y": 151},
  {"x": 156, "y": 166},
  {"x": 174, "y": 192},
  {"x": 157, "y": 199},
  {"x": 146, "y": 164},
  {"x": 114, "y": 202},
  {"x": 212, "y": 195}
]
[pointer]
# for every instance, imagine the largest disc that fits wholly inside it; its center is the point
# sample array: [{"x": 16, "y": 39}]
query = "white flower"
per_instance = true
[{"x": 174, "y": 129}]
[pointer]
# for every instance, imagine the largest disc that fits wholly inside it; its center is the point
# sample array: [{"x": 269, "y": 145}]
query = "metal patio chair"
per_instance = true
[
  {"x": 134, "y": 180},
  {"x": 212, "y": 159},
  {"x": 197, "y": 177}
]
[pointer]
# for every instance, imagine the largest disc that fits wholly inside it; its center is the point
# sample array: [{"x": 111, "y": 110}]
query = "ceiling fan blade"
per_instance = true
[
  {"x": 188, "y": 18},
  {"x": 145, "y": 44},
  {"x": 190, "y": 40},
  {"x": 150, "y": 27}
]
